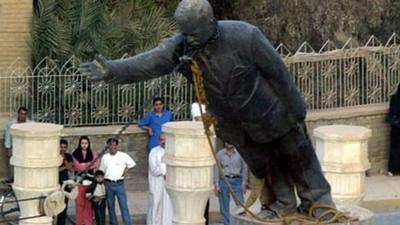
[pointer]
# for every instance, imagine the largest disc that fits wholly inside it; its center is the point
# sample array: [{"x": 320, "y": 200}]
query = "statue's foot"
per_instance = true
[{"x": 268, "y": 214}]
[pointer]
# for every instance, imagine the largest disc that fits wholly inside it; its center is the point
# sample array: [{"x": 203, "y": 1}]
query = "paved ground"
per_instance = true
[{"x": 382, "y": 197}]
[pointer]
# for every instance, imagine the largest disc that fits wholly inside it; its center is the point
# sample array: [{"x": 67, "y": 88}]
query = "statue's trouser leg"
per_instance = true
[
  {"x": 266, "y": 196},
  {"x": 262, "y": 161},
  {"x": 298, "y": 156}
]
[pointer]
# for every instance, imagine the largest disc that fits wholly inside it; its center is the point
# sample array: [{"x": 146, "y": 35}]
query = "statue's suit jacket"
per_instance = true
[{"x": 248, "y": 86}]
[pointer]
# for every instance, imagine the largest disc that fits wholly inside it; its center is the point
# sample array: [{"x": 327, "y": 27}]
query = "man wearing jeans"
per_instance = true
[
  {"x": 115, "y": 165},
  {"x": 236, "y": 172}
]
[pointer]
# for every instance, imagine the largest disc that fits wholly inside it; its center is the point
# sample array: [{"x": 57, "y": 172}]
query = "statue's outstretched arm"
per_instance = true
[
  {"x": 274, "y": 70},
  {"x": 147, "y": 65}
]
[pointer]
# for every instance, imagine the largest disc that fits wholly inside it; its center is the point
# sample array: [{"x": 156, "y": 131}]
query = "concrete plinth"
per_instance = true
[
  {"x": 343, "y": 154},
  {"x": 36, "y": 159},
  {"x": 364, "y": 217},
  {"x": 189, "y": 176}
]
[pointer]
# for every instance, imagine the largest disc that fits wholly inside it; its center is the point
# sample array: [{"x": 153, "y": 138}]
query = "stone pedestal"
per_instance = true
[
  {"x": 343, "y": 153},
  {"x": 36, "y": 158},
  {"x": 189, "y": 176},
  {"x": 364, "y": 217}
]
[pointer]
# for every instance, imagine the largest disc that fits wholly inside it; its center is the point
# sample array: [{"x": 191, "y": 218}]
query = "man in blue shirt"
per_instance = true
[{"x": 154, "y": 120}]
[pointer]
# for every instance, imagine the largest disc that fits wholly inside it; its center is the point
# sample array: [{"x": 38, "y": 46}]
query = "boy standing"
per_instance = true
[{"x": 97, "y": 194}]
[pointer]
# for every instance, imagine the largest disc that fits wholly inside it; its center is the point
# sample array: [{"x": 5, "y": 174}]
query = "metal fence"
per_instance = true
[
  {"x": 64, "y": 96},
  {"x": 329, "y": 78},
  {"x": 345, "y": 77}
]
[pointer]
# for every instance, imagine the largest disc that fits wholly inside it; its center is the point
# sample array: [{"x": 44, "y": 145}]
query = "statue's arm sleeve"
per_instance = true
[
  {"x": 274, "y": 70},
  {"x": 147, "y": 65}
]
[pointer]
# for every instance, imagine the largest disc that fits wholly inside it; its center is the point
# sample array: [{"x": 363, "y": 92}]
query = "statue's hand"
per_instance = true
[{"x": 97, "y": 69}]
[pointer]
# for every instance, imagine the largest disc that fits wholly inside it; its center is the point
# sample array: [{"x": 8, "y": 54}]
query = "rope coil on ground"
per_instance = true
[{"x": 310, "y": 219}]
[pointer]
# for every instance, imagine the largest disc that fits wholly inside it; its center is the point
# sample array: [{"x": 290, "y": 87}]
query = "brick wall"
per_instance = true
[
  {"x": 15, "y": 27},
  {"x": 134, "y": 140}
]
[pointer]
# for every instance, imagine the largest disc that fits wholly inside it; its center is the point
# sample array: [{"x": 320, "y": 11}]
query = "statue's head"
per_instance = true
[{"x": 195, "y": 20}]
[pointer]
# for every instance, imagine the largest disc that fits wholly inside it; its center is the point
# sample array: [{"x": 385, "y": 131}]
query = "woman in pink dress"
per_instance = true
[{"x": 83, "y": 157}]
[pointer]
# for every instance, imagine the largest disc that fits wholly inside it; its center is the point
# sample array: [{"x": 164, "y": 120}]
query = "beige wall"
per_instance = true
[
  {"x": 134, "y": 140},
  {"x": 15, "y": 27}
]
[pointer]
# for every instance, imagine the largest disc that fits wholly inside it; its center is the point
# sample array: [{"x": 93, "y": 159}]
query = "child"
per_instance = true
[{"x": 97, "y": 194}]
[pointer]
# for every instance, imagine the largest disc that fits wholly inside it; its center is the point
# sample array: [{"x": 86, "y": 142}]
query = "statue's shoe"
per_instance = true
[{"x": 267, "y": 214}]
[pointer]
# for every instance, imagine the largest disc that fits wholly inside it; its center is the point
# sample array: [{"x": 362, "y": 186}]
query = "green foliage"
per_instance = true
[
  {"x": 294, "y": 21},
  {"x": 62, "y": 28}
]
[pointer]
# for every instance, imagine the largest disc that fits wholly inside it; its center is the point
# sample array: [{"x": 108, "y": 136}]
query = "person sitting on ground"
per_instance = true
[{"x": 96, "y": 193}]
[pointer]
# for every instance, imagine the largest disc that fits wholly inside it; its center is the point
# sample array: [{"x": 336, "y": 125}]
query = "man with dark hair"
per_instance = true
[
  {"x": 154, "y": 120},
  {"x": 249, "y": 92},
  {"x": 115, "y": 165},
  {"x": 112, "y": 140},
  {"x": 22, "y": 117},
  {"x": 65, "y": 169},
  {"x": 236, "y": 172},
  {"x": 157, "y": 99}
]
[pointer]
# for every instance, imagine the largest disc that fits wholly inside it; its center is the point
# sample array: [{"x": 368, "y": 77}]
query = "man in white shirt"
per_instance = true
[
  {"x": 160, "y": 207},
  {"x": 115, "y": 165}
]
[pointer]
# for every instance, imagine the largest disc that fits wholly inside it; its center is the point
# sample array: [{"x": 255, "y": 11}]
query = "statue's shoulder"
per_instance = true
[{"x": 236, "y": 25}]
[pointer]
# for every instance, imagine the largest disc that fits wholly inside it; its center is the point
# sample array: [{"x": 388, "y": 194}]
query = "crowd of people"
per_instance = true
[
  {"x": 100, "y": 182},
  {"x": 101, "y": 178}
]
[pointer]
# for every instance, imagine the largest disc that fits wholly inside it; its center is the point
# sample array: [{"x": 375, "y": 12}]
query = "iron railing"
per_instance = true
[{"x": 329, "y": 78}]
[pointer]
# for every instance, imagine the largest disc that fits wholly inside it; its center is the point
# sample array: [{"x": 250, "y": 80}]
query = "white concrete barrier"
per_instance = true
[
  {"x": 189, "y": 178},
  {"x": 343, "y": 154},
  {"x": 36, "y": 158}
]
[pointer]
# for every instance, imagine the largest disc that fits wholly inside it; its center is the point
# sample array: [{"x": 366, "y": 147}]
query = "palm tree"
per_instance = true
[{"x": 62, "y": 28}]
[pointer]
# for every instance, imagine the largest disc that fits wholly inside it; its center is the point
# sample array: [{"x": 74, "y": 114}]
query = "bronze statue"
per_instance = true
[{"x": 249, "y": 92}]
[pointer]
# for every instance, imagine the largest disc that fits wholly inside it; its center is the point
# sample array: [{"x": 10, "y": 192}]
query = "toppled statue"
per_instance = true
[{"x": 249, "y": 91}]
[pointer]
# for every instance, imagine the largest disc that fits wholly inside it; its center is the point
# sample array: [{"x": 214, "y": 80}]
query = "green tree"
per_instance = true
[{"x": 62, "y": 28}]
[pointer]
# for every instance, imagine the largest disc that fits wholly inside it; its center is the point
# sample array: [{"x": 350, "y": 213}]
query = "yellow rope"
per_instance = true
[{"x": 209, "y": 121}]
